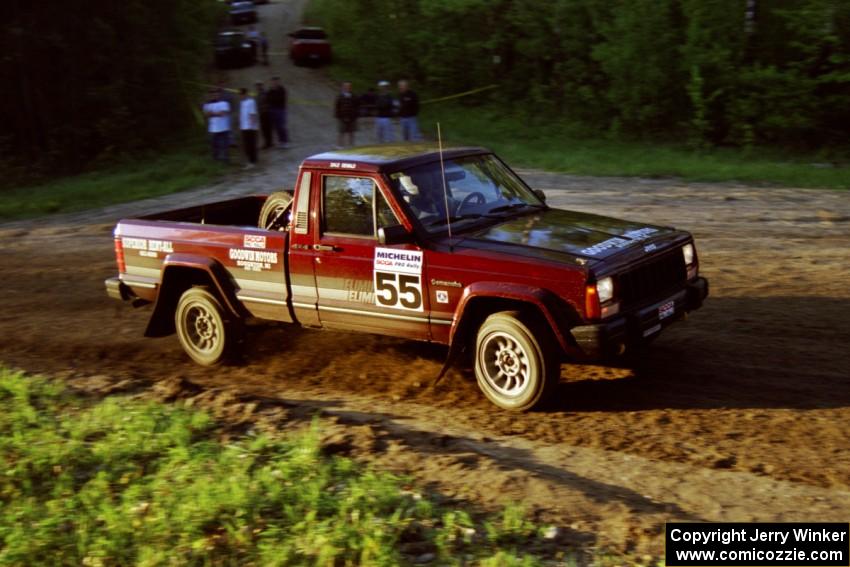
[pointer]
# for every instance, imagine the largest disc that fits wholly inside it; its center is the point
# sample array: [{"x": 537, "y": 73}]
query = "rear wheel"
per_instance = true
[
  {"x": 516, "y": 362},
  {"x": 204, "y": 328}
]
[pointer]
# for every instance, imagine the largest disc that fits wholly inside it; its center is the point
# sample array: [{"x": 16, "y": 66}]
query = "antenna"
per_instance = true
[{"x": 445, "y": 190}]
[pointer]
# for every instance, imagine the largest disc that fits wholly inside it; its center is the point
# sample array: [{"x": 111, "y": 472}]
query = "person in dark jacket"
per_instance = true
[
  {"x": 384, "y": 111},
  {"x": 346, "y": 112},
  {"x": 367, "y": 102},
  {"x": 408, "y": 110},
  {"x": 276, "y": 98},
  {"x": 261, "y": 97}
]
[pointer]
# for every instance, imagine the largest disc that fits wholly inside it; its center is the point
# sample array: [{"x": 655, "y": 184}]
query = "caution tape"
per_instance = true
[
  {"x": 459, "y": 95},
  {"x": 305, "y": 102}
]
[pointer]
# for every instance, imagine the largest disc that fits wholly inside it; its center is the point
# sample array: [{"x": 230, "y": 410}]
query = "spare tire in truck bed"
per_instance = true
[{"x": 273, "y": 214}]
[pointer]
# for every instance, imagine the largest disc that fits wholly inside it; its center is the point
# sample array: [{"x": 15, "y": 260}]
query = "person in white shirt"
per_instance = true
[
  {"x": 249, "y": 123},
  {"x": 217, "y": 111}
]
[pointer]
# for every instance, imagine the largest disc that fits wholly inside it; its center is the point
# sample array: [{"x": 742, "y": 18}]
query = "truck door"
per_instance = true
[{"x": 362, "y": 285}]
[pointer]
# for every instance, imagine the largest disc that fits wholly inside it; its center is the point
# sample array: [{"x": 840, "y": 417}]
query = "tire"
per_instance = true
[
  {"x": 273, "y": 214},
  {"x": 516, "y": 361},
  {"x": 207, "y": 332}
]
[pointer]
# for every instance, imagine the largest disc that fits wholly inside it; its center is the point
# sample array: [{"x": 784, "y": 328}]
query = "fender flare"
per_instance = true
[
  {"x": 557, "y": 313},
  {"x": 180, "y": 272}
]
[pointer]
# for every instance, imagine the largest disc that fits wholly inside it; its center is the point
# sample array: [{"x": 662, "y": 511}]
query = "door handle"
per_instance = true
[{"x": 324, "y": 248}]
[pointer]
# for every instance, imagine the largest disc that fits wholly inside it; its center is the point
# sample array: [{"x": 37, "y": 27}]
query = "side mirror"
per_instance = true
[
  {"x": 540, "y": 194},
  {"x": 395, "y": 234}
]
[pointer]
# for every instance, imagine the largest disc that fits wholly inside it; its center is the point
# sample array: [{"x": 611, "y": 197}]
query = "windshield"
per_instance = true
[{"x": 477, "y": 187}]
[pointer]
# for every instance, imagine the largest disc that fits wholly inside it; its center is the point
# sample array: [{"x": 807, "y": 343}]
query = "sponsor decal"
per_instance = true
[
  {"x": 640, "y": 233},
  {"x": 442, "y": 296},
  {"x": 615, "y": 242},
  {"x": 398, "y": 279},
  {"x": 147, "y": 248},
  {"x": 253, "y": 260},
  {"x": 403, "y": 261},
  {"x": 254, "y": 241},
  {"x": 359, "y": 291},
  {"x": 343, "y": 165},
  {"x": 620, "y": 241},
  {"x": 445, "y": 283}
]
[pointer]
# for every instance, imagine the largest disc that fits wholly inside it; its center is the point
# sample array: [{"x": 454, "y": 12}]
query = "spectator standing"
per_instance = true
[
  {"x": 384, "y": 110},
  {"x": 276, "y": 98},
  {"x": 217, "y": 111},
  {"x": 367, "y": 102},
  {"x": 249, "y": 121},
  {"x": 346, "y": 112},
  {"x": 408, "y": 110},
  {"x": 261, "y": 97},
  {"x": 227, "y": 96}
]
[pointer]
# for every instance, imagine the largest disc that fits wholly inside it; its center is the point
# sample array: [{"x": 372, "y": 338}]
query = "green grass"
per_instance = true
[
  {"x": 552, "y": 147},
  {"x": 123, "y": 481},
  {"x": 180, "y": 169}
]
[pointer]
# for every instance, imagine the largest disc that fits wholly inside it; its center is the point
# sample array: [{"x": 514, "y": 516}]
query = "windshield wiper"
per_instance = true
[
  {"x": 453, "y": 219},
  {"x": 510, "y": 207}
]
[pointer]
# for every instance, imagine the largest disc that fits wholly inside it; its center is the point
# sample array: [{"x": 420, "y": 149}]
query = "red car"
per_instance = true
[
  {"x": 309, "y": 46},
  {"x": 399, "y": 240}
]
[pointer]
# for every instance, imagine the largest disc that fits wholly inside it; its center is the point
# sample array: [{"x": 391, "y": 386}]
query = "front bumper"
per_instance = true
[{"x": 606, "y": 339}]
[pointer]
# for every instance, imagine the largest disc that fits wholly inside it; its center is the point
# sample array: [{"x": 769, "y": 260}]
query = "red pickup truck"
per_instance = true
[
  {"x": 450, "y": 247},
  {"x": 309, "y": 46}
]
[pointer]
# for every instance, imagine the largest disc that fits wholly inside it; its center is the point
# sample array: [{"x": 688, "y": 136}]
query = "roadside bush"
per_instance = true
[
  {"x": 124, "y": 481},
  {"x": 709, "y": 72}
]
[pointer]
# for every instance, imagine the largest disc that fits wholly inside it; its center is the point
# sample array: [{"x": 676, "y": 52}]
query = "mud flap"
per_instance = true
[{"x": 451, "y": 357}]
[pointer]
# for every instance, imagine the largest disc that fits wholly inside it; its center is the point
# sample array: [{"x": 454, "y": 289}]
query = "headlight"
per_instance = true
[
  {"x": 605, "y": 289},
  {"x": 688, "y": 254}
]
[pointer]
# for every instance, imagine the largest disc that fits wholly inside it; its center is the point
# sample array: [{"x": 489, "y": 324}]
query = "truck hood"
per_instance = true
[{"x": 581, "y": 235}]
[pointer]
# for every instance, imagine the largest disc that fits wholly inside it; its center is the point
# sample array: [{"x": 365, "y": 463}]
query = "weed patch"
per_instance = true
[{"x": 125, "y": 481}]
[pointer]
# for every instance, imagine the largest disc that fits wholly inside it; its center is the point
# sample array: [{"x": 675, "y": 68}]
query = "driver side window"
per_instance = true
[{"x": 349, "y": 206}]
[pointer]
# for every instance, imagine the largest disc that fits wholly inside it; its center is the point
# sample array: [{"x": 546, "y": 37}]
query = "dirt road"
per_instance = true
[{"x": 741, "y": 413}]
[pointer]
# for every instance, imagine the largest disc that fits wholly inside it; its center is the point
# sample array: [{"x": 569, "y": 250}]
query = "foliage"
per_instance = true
[
  {"x": 559, "y": 146},
  {"x": 140, "y": 178},
  {"x": 124, "y": 481},
  {"x": 712, "y": 72},
  {"x": 97, "y": 78}
]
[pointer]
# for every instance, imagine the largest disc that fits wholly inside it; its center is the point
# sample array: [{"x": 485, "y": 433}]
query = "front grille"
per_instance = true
[{"x": 652, "y": 279}]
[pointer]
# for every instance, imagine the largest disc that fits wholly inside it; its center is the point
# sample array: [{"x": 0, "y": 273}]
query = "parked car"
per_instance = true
[
  {"x": 308, "y": 46},
  {"x": 447, "y": 247},
  {"x": 234, "y": 49},
  {"x": 243, "y": 12}
]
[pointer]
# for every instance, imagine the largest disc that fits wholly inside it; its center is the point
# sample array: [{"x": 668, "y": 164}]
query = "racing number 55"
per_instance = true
[{"x": 399, "y": 291}]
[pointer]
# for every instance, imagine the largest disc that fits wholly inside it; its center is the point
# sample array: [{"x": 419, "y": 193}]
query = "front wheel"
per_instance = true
[
  {"x": 204, "y": 327},
  {"x": 516, "y": 362}
]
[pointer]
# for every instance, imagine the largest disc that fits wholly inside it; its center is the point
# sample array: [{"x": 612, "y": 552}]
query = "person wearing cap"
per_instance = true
[{"x": 384, "y": 110}]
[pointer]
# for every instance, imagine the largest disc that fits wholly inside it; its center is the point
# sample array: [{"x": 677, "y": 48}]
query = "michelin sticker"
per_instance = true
[{"x": 398, "y": 279}]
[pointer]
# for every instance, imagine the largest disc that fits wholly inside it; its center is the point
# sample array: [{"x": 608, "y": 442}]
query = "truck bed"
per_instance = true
[
  {"x": 243, "y": 211},
  {"x": 222, "y": 236}
]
